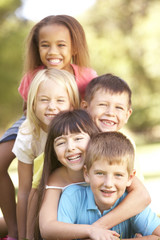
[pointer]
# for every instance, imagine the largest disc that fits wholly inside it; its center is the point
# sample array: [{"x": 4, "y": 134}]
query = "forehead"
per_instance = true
[
  {"x": 70, "y": 135},
  {"x": 56, "y": 30},
  {"x": 101, "y": 94},
  {"x": 51, "y": 86},
  {"x": 105, "y": 165}
]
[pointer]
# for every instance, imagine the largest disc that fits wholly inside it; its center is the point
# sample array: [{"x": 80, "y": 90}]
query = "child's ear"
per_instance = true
[
  {"x": 130, "y": 178},
  {"x": 84, "y": 104},
  {"x": 128, "y": 114},
  {"x": 85, "y": 173}
]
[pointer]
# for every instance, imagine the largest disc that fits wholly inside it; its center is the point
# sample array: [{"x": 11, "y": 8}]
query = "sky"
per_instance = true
[{"x": 35, "y": 10}]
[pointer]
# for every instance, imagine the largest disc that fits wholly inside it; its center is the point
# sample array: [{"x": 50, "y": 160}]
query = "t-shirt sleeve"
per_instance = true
[
  {"x": 146, "y": 222},
  {"x": 26, "y": 81},
  {"x": 67, "y": 206},
  {"x": 37, "y": 170},
  {"x": 24, "y": 86},
  {"x": 83, "y": 77},
  {"x": 23, "y": 149}
]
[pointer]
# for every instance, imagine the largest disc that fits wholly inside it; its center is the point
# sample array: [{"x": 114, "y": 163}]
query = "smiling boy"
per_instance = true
[
  {"x": 108, "y": 170},
  {"x": 108, "y": 101}
]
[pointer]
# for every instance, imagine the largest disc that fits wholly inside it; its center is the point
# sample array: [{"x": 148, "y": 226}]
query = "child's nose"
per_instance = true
[
  {"x": 110, "y": 111},
  {"x": 108, "y": 181},
  {"x": 70, "y": 145},
  {"x": 53, "y": 50},
  {"x": 51, "y": 105}
]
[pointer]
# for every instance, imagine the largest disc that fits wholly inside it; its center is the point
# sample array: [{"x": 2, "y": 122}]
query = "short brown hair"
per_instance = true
[
  {"x": 107, "y": 82},
  {"x": 113, "y": 147}
]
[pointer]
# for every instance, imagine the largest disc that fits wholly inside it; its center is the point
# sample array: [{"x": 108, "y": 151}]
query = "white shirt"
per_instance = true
[{"x": 27, "y": 148}]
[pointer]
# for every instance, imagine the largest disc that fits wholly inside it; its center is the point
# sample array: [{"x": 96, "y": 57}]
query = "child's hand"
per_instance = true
[
  {"x": 99, "y": 233},
  {"x": 137, "y": 235}
]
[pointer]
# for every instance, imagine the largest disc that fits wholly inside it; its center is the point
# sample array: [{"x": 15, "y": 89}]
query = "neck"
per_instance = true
[{"x": 75, "y": 176}]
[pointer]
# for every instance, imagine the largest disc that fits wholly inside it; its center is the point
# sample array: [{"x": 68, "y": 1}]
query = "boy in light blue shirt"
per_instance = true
[{"x": 108, "y": 170}]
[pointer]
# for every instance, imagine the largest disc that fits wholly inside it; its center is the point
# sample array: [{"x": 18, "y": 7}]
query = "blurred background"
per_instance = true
[{"x": 123, "y": 38}]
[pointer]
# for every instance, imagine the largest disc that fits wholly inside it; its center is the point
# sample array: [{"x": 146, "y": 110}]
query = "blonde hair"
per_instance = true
[
  {"x": 113, "y": 147},
  {"x": 62, "y": 77}
]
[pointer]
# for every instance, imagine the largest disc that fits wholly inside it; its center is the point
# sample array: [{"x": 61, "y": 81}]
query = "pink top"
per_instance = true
[{"x": 82, "y": 79}]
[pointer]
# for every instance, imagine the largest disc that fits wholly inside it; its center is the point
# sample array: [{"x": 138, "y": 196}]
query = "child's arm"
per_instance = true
[
  {"x": 25, "y": 181},
  {"x": 3, "y": 228},
  {"x": 155, "y": 235},
  {"x": 136, "y": 201},
  {"x": 24, "y": 107},
  {"x": 31, "y": 212},
  {"x": 52, "y": 229}
]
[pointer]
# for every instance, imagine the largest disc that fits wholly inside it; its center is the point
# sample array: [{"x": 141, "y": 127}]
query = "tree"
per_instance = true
[
  {"x": 123, "y": 37},
  {"x": 13, "y": 31}
]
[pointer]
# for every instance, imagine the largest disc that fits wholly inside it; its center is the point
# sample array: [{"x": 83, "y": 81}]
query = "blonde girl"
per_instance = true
[
  {"x": 57, "y": 41},
  {"x": 51, "y": 91}
]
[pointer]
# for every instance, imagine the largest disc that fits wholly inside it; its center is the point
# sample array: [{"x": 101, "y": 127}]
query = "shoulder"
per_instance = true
[
  {"x": 84, "y": 70},
  {"x": 57, "y": 178},
  {"x": 75, "y": 190},
  {"x": 26, "y": 81}
]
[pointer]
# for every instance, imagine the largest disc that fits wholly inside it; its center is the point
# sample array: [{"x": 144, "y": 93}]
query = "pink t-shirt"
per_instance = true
[{"x": 82, "y": 79}]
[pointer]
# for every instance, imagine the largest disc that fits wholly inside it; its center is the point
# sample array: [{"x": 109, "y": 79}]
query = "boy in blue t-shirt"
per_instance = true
[{"x": 109, "y": 169}]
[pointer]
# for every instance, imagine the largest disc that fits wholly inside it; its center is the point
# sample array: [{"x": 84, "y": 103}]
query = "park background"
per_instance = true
[{"x": 124, "y": 39}]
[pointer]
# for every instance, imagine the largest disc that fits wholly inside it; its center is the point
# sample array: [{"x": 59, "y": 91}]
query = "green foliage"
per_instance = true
[
  {"x": 124, "y": 39},
  {"x": 7, "y": 8},
  {"x": 12, "y": 35}
]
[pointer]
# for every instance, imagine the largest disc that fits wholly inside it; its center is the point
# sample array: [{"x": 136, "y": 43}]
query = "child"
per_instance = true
[
  {"x": 51, "y": 91},
  {"x": 67, "y": 140},
  {"x": 114, "y": 86},
  {"x": 54, "y": 42},
  {"x": 104, "y": 93},
  {"x": 108, "y": 101},
  {"x": 109, "y": 170}
]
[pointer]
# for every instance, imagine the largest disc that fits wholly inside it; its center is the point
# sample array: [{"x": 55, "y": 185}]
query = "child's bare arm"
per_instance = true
[
  {"x": 25, "y": 180},
  {"x": 24, "y": 107},
  {"x": 50, "y": 228},
  {"x": 136, "y": 201},
  {"x": 31, "y": 212},
  {"x": 155, "y": 235},
  {"x": 150, "y": 237}
]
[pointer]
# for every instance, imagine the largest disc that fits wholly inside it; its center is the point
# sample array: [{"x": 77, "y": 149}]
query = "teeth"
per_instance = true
[
  {"x": 50, "y": 115},
  {"x": 55, "y": 60},
  {"x": 74, "y": 157},
  {"x": 108, "y": 122},
  {"x": 105, "y": 191}
]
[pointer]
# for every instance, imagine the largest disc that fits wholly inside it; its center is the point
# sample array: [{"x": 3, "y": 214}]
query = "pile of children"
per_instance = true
[{"x": 76, "y": 169}]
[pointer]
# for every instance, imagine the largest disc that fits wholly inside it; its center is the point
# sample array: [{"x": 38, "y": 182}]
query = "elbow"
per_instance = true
[{"x": 46, "y": 231}]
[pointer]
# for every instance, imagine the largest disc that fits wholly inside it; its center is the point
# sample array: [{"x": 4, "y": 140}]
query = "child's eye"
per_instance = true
[
  {"x": 119, "y": 107},
  {"x": 61, "y": 45},
  {"x": 60, "y": 100},
  {"x": 78, "y": 138},
  {"x": 44, "y": 100},
  {"x": 45, "y": 45},
  {"x": 99, "y": 173},
  {"x": 119, "y": 175},
  {"x": 59, "y": 143},
  {"x": 102, "y": 104}
]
